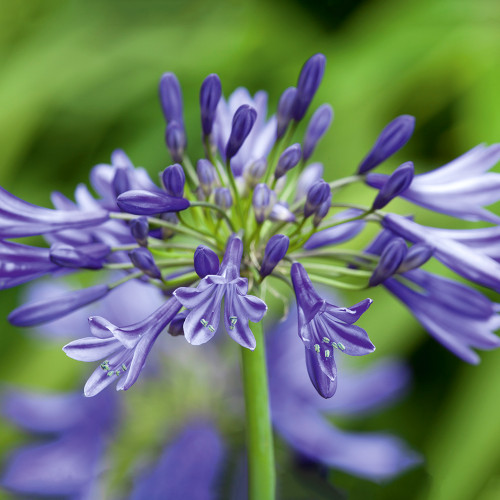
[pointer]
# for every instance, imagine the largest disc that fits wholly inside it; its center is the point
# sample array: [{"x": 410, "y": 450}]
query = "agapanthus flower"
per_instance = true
[
  {"x": 325, "y": 328},
  {"x": 205, "y": 300}
]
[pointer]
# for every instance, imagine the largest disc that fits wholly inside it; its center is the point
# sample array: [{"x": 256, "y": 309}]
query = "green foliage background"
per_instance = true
[{"x": 78, "y": 79}]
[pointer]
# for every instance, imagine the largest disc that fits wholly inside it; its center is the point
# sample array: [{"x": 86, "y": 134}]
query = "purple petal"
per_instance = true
[{"x": 92, "y": 348}]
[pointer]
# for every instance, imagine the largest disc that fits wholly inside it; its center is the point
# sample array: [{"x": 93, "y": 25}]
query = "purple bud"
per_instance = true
[
  {"x": 223, "y": 198},
  {"x": 210, "y": 93},
  {"x": 140, "y": 230},
  {"x": 143, "y": 259},
  {"x": 285, "y": 110},
  {"x": 416, "y": 256},
  {"x": 120, "y": 182},
  {"x": 317, "y": 194},
  {"x": 171, "y": 98},
  {"x": 206, "y": 261},
  {"x": 175, "y": 137},
  {"x": 322, "y": 210},
  {"x": 42, "y": 311},
  {"x": 281, "y": 213},
  {"x": 311, "y": 174},
  {"x": 243, "y": 121},
  {"x": 263, "y": 200},
  {"x": 394, "y": 136},
  {"x": 176, "y": 327},
  {"x": 254, "y": 171},
  {"x": 288, "y": 159},
  {"x": 173, "y": 180},
  {"x": 390, "y": 260},
  {"x": 318, "y": 125},
  {"x": 309, "y": 79},
  {"x": 397, "y": 183},
  {"x": 207, "y": 175},
  {"x": 276, "y": 249},
  {"x": 86, "y": 256},
  {"x": 142, "y": 202}
]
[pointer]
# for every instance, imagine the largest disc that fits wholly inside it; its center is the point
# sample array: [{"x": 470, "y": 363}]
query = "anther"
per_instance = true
[
  {"x": 341, "y": 346},
  {"x": 316, "y": 347},
  {"x": 327, "y": 353},
  {"x": 326, "y": 340}
]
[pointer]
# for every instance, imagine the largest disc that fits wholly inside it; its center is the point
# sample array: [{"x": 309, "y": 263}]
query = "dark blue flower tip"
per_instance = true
[
  {"x": 322, "y": 211},
  {"x": 318, "y": 125},
  {"x": 223, "y": 198},
  {"x": 416, "y": 256},
  {"x": 207, "y": 175},
  {"x": 176, "y": 327},
  {"x": 263, "y": 200},
  {"x": 175, "y": 137},
  {"x": 121, "y": 182},
  {"x": 42, "y": 311},
  {"x": 90, "y": 256},
  {"x": 317, "y": 194},
  {"x": 390, "y": 259},
  {"x": 210, "y": 94},
  {"x": 288, "y": 159},
  {"x": 142, "y": 202},
  {"x": 243, "y": 121},
  {"x": 285, "y": 110},
  {"x": 174, "y": 180},
  {"x": 171, "y": 98},
  {"x": 206, "y": 261},
  {"x": 143, "y": 259},
  {"x": 276, "y": 249},
  {"x": 394, "y": 136},
  {"x": 254, "y": 171},
  {"x": 140, "y": 230},
  {"x": 309, "y": 80},
  {"x": 395, "y": 185}
]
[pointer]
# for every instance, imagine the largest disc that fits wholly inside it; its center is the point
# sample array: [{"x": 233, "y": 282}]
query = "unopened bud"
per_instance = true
[
  {"x": 210, "y": 93},
  {"x": 206, "y": 261},
  {"x": 276, "y": 249},
  {"x": 390, "y": 260},
  {"x": 288, "y": 159},
  {"x": 173, "y": 180},
  {"x": 243, "y": 121},
  {"x": 318, "y": 125}
]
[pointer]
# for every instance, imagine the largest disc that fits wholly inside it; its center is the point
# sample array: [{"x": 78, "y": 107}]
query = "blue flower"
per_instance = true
[
  {"x": 303, "y": 419},
  {"x": 124, "y": 349},
  {"x": 460, "y": 188},
  {"x": 205, "y": 300},
  {"x": 324, "y": 328}
]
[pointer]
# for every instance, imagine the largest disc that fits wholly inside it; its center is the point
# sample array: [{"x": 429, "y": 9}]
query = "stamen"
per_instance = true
[
  {"x": 326, "y": 340},
  {"x": 327, "y": 353},
  {"x": 335, "y": 345},
  {"x": 124, "y": 367},
  {"x": 211, "y": 328},
  {"x": 111, "y": 373},
  {"x": 341, "y": 346},
  {"x": 204, "y": 322},
  {"x": 316, "y": 347},
  {"x": 105, "y": 365},
  {"x": 233, "y": 320}
]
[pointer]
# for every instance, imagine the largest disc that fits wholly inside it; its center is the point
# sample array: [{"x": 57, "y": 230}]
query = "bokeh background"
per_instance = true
[{"x": 79, "y": 79}]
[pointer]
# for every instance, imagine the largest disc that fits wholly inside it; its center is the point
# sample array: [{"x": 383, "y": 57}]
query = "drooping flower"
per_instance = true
[
  {"x": 304, "y": 420},
  {"x": 205, "y": 300},
  {"x": 324, "y": 328},
  {"x": 124, "y": 349},
  {"x": 460, "y": 188}
]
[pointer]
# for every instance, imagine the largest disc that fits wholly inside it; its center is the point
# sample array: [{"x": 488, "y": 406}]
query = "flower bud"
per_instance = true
[
  {"x": 309, "y": 79},
  {"x": 394, "y": 136},
  {"x": 263, "y": 201},
  {"x": 176, "y": 326},
  {"x": 318, "y": 125},
  {"x": 223, "y": 198},
  {"x": 175, "y": 137},
  {"x": 243, "y": 121},
  {"x": 171, "y": 98},
  {"x": 276, "y": 249},
  {"x": 311, "y": 174},
  {"x": 322, "y": 210},
  {"x": 143, "y": 259},
  {"x": 288, "y": 159},
  {"x": 390, "y": 260},
  {"x": 86, "y": 256},
  {"x": 396, "y": 184},
  {"x": 254, "y": 171},
  {"x": 285, "y": 110},
  {"x": 207, "y": 175},
  {"x": 210, "y": 93},
  {"x": 317, "y": 194},
  {"x": 120, "y": 182},
  {"x": 173, "y": 180},
  {"x": 142, "y": 202},
  {"x": 281, "y": 213},
  {"x": 140, "y": 230},
  {"x": 416, "y": 256},
  {"x": 206, "y": 261}
]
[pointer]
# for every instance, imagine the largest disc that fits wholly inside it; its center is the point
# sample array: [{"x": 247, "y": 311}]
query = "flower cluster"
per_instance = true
[{"x": 250, "y": 215}]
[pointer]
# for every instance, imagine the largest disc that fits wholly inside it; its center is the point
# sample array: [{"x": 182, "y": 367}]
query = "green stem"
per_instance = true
[
  {"x": 218, "y": 209},
  {"x": 261, "y": 473}
]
